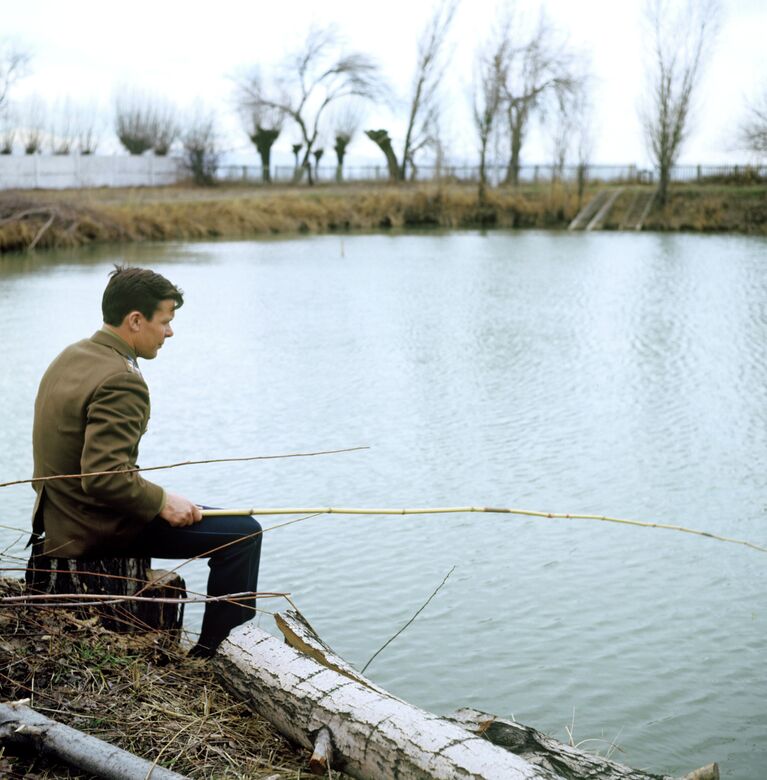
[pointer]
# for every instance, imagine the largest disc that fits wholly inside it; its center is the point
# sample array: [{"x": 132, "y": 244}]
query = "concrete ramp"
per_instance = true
[
  {"x": 637, "y": 212},
  {"x": 599, "y": 219},
  {"x": 586, "y": 214}
]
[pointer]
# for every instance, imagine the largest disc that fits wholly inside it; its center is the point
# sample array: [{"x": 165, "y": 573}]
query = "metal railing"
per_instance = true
[{"x": 632, "y": 174}]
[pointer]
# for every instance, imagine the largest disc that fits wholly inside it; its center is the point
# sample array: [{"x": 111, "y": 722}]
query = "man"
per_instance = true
[{"x": 91, "y": 411}]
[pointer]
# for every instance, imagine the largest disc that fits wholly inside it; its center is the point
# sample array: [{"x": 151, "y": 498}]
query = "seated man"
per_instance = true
[{"x": 91, "y": 411}]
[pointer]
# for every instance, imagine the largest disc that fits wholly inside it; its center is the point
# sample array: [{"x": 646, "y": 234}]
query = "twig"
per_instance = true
[
  {"x": 182, "y": 463},
  {"x": 29, "y": 213},
  {"x": 476, "y": 509},
  {"x": 101, "y": 598},
  {"x": 41, "y": 232},
  {"x": 169, "y": 743},
  {"x": 423, "y": 607},
  {"x": 13, "y": 543}
]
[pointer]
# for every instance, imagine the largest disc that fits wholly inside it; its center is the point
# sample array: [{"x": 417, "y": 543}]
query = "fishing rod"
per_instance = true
[{"x": 261, "y": 511}]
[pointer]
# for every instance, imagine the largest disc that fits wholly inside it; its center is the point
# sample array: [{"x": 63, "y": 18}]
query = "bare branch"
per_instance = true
[
  {"x": 14, "y": 65},
  {"x": 753, "y": 128}
]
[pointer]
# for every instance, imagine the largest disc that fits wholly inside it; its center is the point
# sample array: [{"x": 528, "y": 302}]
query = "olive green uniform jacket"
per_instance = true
[{"x": 91, "y": 410}]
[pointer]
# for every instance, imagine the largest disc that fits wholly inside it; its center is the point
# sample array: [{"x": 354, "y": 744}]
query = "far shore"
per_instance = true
[{"x": 52, "y": 219}]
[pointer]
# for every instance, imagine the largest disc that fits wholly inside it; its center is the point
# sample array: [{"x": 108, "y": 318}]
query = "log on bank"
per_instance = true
[{"x": 318, "y": 700}]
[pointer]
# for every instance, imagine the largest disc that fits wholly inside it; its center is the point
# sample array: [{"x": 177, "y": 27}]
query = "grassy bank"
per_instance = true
[
  {"x": 135, "y": 691},
  {"x": 74, "y": 218}
]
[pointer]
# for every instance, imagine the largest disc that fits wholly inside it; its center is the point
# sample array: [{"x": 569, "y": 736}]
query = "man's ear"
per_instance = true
[{"x": 134, "y": 320}]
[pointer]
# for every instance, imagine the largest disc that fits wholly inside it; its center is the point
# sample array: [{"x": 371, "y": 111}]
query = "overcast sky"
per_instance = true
[{"x": 187, "y": 51}]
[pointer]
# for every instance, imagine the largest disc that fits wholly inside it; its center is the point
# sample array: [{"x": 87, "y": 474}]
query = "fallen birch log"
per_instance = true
[
  {"x": 20, "y": 725},
  {"x": 374, "y": 734},
  {"x": 315, "y": 698}
]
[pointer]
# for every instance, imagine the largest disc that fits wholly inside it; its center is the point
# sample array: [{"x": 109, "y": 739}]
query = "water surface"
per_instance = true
[{"x": 612, "y": 373}]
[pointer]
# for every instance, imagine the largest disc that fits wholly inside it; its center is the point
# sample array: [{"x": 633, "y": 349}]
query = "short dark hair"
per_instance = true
[{"x": 136, "y": 289}]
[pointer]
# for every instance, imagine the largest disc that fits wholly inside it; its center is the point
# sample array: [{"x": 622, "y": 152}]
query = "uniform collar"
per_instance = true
[{"x": 109, "y": 338}]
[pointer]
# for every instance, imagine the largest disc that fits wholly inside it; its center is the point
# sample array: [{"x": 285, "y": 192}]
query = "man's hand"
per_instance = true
[{"x": 179, "y": 511}]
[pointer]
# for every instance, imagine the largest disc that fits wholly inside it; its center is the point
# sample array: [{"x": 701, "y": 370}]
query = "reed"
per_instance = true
[{"x": 73, "y": 218}]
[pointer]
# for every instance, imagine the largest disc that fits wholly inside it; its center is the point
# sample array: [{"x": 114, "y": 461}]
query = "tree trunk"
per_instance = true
[
  {"x": 663, "y": 176},
  {"x": 517, "y": 119},
  {"x": 581, "y": 184},
  {"x": 382, "y": 140},
  {"x": 301, "y": 686},
  {"x": 117, "y": 577},
  {"x": 265, "y": 155},
  {"x": 20, "y": 725},
  {"x": 512, "y": 172},
  {"x": 482, "y": 191}
]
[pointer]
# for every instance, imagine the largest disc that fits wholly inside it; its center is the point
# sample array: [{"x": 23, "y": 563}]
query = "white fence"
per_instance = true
[{"x": 36, "y": 171}]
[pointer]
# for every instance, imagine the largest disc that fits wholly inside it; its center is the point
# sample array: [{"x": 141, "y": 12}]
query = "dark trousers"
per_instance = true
[{"x": 233, "y": 569}]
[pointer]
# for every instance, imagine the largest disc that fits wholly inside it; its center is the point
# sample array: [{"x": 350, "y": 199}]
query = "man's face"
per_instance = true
[{"x": 152, "y": 333}]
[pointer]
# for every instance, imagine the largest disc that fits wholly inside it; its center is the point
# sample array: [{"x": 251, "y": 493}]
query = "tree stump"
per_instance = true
[{"x": 118, "y": 577}]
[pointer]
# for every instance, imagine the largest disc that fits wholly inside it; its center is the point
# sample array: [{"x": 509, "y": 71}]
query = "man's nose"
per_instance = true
[{"x": 168, "y": 331}]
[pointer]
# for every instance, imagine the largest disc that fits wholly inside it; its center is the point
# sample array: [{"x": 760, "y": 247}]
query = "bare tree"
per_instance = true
[
  {"x": 382, "y": 140},
  {"x": 296, "y": 149},
  {"x": 317, "y": 154},
  {"x": 571, "y": 128},
  {"x": 345, "y": 124},
  {"x": 312, "y": 79},
  {"x": 201, "y": 150},
  {"x": 144, "y": 122},
  {"x": 7, "y": 129},
  {"x": 32, "y": 129},
  {"x": 63, "y": 132},
  {"x": 753, "y": 128},
  {"x": 264, "y": 125},
  {"x": 541, "y": 69},
  {"x": 165, "y": 127},
  {"x": 682, "y": 36},
  {"x": 424, "y": 104},
  {"x": 89, "y": 127},
  {"x": 491, "y": 74},
  {"x": 14, "y": 63}
]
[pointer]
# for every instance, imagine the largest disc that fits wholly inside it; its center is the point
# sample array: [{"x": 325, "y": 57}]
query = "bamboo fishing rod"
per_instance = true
[{"x": 260, "y": 511}]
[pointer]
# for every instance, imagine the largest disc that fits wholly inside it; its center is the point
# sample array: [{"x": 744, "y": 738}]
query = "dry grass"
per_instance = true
[
  {"x": 135, "y": 691},
  {"x": 73, "y": 218},
  {"x": 706, "y": 208}
]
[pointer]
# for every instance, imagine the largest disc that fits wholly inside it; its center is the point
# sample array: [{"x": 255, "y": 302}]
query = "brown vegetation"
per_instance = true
[
  {"x": 135, "y": 691},
  {"x": 72, "y": 218}
]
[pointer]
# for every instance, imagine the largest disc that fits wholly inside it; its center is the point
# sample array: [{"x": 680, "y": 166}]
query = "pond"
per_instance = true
[{"x": 616, "y": 374}]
